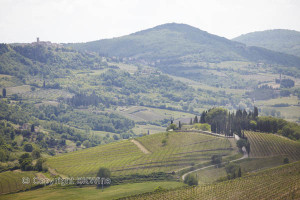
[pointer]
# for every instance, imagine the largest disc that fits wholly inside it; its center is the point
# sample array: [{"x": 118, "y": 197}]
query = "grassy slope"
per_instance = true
[
  {"x": 90, "y": 192},
  {"x": 124, "y": 157},
  {"x": 266, "y": 145},
  {"x": 283, "y": 183},
  {"x": 11, "y": 181},
  {"x": 267, "y": 150}
]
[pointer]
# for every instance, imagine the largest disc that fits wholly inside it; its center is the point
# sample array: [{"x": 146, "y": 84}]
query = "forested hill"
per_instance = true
[
  {"x": 281, "y": 40},
  {"x": 169, "y": 41},
  {"x": 45, "y": 60}
]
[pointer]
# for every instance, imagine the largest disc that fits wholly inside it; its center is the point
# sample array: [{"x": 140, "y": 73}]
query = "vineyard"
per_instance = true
[
  {"x": 267, "y": 144},
  {"x": 11, "y": 181},
  {"x": 277, "y": 183},
  {"x": 124, "y": 157}
]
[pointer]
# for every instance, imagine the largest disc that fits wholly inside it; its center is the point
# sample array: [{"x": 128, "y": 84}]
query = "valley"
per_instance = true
[{"x": 170, "y": 112}]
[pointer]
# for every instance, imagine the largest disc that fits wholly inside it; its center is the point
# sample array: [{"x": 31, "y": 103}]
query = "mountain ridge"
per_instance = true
[
  {"x": 281, "y": 40},
  {"x": 172, "y": 40}
]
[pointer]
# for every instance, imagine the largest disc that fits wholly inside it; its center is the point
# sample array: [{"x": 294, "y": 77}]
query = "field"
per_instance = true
[
  {"x": 282, "y": 183},
  {"x": 48, "y": 94},
  {"x": 143, "y": 129},
  {"x": 290, "y": 112},
  {"x": 267, "y": 144},
  {"x": 71, "y": 193},
  {"x": 141, "y": 113},
  {"x": 248, "y": 165},
  {"x": 11, "y": 181},
  {"x": 124, "y": 157}
]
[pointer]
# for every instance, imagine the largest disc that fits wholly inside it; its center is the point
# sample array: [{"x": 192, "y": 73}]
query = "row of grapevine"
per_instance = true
[
  {"x": 124, "y": 157},
  {"x": 11, "y": 181},
  {"x": 278, "y": 183},
  {"x": 268, "y": 144}
]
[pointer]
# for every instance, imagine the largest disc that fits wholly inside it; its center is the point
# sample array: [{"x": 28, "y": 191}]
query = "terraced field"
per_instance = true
[
  {"x": 124, "y": 157},
  {"x": 11, "y": 181},
  {"x": 277, "y": 183},
  {"x": 267, "y": 144}
]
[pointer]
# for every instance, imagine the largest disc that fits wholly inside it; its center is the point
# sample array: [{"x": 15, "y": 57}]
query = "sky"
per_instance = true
[{"x": 64, "y": 21}]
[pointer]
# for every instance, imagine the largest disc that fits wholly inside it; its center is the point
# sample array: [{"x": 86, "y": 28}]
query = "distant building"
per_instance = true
[{"x": 45, "y": 43}]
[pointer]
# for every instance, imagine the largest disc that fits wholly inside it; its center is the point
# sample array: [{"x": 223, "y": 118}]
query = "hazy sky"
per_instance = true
[{"x": 87, "y": 20}]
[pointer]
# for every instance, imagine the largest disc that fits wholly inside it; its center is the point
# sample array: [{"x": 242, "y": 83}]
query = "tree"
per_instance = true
[
  {"x": 241, "y": 143},
  {"x": 231, "y": 170},
  {"x": 32, "y": 128},
  {"x": 240, "y": 172},
  {"x": 116, "y": 137},
  {"x": 216, "y": 159},
  {"x": 255, "y": 113},
  {"x": 172, "y": 127},
  {"x": 78, "y": 143},
  {"x": 25, "y": 162},
  {"x": 253, "y": 125},
  {"x": 44, "y": 84},
  {"x": 286, "y": 161},
  {"x": 190, "y": 180},
  {"x": 87, "y": 144},
  {"x": 217, "y": 118},
  {"x": 191, "y": 121},
  {"x": 3, "y": 155},
  {"x": 28, "y": 148},
  {"x": 39, "y": 165},
  {"x": 195, "y": 119},
  {"x": 179, "y": 125},
  {"x": 4, "y": 92},
  {"x": 36, "y": 154},
  {"x": 103, "y": 173},
  {"x": 287, "y": 83},
  {"x": 202, "y": 118}
]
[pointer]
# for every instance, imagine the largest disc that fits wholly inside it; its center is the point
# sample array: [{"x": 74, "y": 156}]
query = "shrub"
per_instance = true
[
  {"x": 241, "y": 143},
  {"x": 28, "y": 147},
  {"x": 286, "y": 161},
  {"x": 103, "y": 173},
  {"x": 36, "y": 154},
  {"x": 190, "y": 180},
  {"x": 216, "y": 159}
]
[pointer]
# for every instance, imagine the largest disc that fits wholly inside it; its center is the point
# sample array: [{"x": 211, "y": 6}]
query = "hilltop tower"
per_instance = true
[{"x": 37, "y": 39}]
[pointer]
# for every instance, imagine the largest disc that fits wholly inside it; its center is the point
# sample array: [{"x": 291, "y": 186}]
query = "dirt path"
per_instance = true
[
  {"x": 244, "y": 156},
  {"x": 54, "y": 173},
  {"x": 40, "y": 175},
  {"x": 140, "y": 146}
]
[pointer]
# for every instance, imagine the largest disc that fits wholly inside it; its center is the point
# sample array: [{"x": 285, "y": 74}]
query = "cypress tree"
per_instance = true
[
  {"x": 255, "y": 113},
  {"x": 4, "y": 92},
  {"x": 195, "y": 119},
  {"x": 240, "y": 172},
  {"x": 202, "y": 118},
  {"x": 191, "y": 121},
  {"x": 32, "y": 128}
]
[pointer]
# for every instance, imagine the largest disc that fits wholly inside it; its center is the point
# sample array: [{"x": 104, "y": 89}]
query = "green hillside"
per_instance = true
[
  {"x": 268, "y": 144},
  {"x": 126, "y": 157},
  {"x": 11, "y": 181},
  {"x": 277, "y": 183},
  {"x": 281, "y": 40},
  {"x": 172, "y": 42}
]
